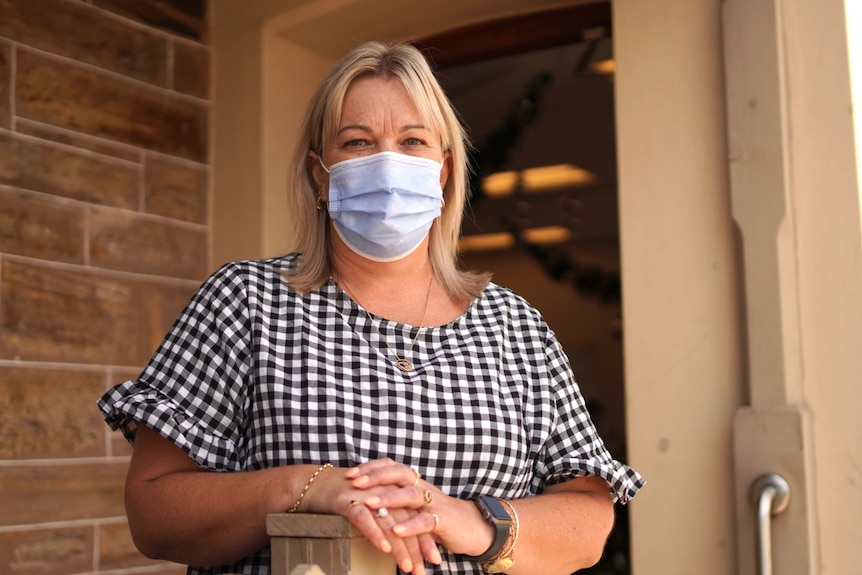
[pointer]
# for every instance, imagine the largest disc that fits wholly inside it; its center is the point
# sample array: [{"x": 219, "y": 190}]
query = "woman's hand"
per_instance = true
[
  {"x": 433, "y": 515},
  {"x": 334, "y": 492}
]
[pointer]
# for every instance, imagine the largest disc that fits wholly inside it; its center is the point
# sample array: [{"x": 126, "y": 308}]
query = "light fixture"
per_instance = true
[
  {"x": 536, "y": 180},
  {"x": 597, "y": 56},
  {"x": 486, "y": 242},
  {"x": 603, "y": 67},
  {"x": 547, "y": 235}
]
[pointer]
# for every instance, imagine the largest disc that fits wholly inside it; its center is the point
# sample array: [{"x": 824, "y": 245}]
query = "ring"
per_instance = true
[
  {"x": 353, "y": 503},
  {"x": 436, "y": 520},
  {"x": 382, "y": 512},
  {"x": 418, "y": 477},
  {"x": 427, "y": 498}
]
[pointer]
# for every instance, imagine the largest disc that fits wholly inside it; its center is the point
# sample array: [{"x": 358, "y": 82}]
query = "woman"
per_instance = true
[{"x": 365, "y": 375}]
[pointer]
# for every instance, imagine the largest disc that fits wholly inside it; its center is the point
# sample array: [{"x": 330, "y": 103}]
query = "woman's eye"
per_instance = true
[
  {"x": 414, "y": 142},
  {"x": 354, "y": 143}
]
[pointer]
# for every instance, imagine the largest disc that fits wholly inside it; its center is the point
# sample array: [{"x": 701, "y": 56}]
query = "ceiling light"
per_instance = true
[
  {"x": 486, "y": 242},
  {"x": 547, "y": 235},
  {"x": 536, "y": 180},
  {"x": 553, "y": 177},
  {"x": 603, "y": 67},
  {"x": 500, "y": 184}
]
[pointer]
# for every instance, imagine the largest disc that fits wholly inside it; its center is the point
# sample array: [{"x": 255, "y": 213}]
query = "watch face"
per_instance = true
[{"x": 494, "y": 510}]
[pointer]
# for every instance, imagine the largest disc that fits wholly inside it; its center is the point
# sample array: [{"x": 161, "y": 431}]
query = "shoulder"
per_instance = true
[
  {"x": 504, "y": 308},
  {"x": 238, "y": 284},
  {"x": 503, "y": 299},
  {"x": 260, "y": 273}
]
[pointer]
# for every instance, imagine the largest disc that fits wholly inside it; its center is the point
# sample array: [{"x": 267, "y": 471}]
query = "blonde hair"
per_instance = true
[{"x": 319, "y": 127}]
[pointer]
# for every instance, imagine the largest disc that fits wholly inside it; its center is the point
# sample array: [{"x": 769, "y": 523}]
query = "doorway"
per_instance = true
[{"x": 536, "y": 93}]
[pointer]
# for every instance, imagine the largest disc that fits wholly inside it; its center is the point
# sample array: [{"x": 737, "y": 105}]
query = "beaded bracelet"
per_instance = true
[{"x": 307, "y": 485}]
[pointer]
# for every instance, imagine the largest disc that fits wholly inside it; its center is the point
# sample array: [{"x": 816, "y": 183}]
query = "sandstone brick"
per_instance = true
[
  {"x": 33, "y": 494},
  {"x": 117, "y": 551},
  {"x": 5, "y": 80},
  {"x": 49, "y": 314},
  {"x": 167, "y": 569},
  {"x": 175, "y": 190},
  {"x": 128, "y": 242},
  {"x": 39, "y": 227},
  {"x": 191, "y": 69},
  {"x": 53, "y": 551},
  {"x": 50, "y": 413},
  {"x": 116, "y": 548},
  {"x": 44, "y": 168},
  {"x": 76, "y": 30},
  {"x": 184, "y": 17},
  {"x": 70, "y": 96},
  {"x": 78, "y": 141},
  {"x": 119, "y": 446}
]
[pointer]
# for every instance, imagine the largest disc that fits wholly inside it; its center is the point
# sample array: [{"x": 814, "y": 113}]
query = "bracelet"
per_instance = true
[{"x": 307, "y": 485}]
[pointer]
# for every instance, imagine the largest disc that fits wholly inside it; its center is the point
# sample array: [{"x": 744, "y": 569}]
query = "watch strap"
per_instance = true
[
  {"x": 504, "y": 561},
  {"x": 501, "y": 535}
]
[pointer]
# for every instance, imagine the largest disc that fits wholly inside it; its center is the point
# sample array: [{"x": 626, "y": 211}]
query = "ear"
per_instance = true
[
  {"x": 317, "y": 174},
  {"x": 446, "y": 169}
]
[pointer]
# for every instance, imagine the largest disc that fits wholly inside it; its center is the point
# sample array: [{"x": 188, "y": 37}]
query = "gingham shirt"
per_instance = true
[{"x": 253, "y": 375}]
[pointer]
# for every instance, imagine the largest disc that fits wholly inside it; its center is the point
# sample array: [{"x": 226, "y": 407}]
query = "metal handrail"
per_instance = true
[{"x": 770, "y": 493}]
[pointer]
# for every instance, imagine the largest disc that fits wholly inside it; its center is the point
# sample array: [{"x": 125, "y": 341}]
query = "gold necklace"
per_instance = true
[{"x": 401, "y": 363}]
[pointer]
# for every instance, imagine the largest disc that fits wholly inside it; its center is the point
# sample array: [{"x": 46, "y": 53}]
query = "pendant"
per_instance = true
[{"x": 404, "y": 365}]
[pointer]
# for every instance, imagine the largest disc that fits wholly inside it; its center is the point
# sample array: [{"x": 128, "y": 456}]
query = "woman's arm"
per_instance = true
[
  {"x": 183, "y": 513},
  {"x": 561, "y": 531},
  {"x": 564, "y": 529},
  {"x": 180, "y": 512}
]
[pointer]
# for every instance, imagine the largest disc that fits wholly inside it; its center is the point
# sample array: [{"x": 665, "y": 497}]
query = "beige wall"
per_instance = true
[
  {"x": 683, "y": 350},
  {"x": 784, "y": 341},
  {"x": 826, "y": 204}
]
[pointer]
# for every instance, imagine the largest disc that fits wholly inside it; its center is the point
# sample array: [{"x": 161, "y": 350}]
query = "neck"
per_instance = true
[
  {"x": 360, "y": 272},
  {"x": 399, "y": 290}
]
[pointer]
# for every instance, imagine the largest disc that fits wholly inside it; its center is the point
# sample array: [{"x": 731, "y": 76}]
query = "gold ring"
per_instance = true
[
  {"x": 353, "y": 503},
  {"x": 418, "y": 477},
  {"x": 427, "y": 498},
  {"x": 436, "y": 520}
]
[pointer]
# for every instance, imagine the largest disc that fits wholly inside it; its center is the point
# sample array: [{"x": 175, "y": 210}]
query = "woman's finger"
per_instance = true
[
  {"x": 423, "y": 526},
  {"x": 418, "y": 497},
  {"x": 367, "y": 476},
  {"x": 376, "y": 525},
  {"x": 368, "y": 466},
  {"x": 405, "y": 550},
  {"x": 364, "y": 520},
  {"x": 425, "y": 522}
]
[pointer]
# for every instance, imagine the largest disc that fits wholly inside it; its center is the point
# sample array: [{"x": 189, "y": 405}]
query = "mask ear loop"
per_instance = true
[{"x": 320, "y": 203}]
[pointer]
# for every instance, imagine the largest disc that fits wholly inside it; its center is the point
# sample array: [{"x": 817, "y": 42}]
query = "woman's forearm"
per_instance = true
[
  {"x": 563, "y": 530},
  {"x": 181, "y": 513}
]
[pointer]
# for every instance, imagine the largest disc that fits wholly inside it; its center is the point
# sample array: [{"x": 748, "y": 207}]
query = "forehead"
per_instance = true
[{"x": 370, "y": 98}]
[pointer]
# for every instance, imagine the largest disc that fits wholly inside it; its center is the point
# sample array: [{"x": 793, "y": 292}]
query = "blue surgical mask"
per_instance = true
[{"x": 383, "y": 205}]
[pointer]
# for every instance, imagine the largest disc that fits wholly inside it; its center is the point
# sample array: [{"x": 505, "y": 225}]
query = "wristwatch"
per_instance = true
[
  {"x": 496, "y": 514},
  {"x": 506, "y": 558}
]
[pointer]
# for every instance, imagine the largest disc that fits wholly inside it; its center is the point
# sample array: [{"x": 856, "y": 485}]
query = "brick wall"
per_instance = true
[{"x": 104, "y": 126}]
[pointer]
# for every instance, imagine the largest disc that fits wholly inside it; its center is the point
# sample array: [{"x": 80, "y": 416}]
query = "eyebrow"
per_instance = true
[{"x": 365, "y": 128}]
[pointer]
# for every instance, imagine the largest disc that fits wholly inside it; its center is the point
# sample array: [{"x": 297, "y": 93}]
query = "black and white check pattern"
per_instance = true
[{"x": 253, "y": 375}]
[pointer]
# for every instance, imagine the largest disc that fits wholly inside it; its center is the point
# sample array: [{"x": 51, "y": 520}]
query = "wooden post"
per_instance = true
[{"x": 311, "y": 544}]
